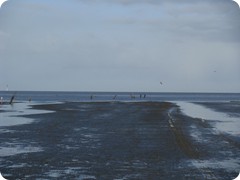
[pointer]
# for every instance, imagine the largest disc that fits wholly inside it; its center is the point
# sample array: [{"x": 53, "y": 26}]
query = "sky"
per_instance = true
[{"x": 120, "y": 45}]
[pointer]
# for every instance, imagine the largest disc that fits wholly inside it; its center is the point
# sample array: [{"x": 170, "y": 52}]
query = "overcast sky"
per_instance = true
[{"x": 120, "y": 45}]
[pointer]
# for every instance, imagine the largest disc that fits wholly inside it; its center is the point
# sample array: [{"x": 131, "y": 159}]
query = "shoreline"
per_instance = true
[{"x": 110, "y": 140}]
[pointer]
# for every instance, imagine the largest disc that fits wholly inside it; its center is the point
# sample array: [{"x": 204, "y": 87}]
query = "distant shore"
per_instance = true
[{"x": 56, "y": 96}]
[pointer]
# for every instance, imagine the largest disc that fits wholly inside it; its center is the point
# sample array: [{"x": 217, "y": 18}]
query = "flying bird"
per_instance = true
[
  {"x": 238, "y": 2},
  {"x": 1, "y": 2}
]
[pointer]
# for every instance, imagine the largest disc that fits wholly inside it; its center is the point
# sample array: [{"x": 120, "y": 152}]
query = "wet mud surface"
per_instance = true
[
  {"x": 116, "y": 140},
  {"x": 232, "y": 108}
]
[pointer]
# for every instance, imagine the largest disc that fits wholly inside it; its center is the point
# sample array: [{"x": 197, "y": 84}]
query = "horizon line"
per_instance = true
[{"x": 101, "y": 91}]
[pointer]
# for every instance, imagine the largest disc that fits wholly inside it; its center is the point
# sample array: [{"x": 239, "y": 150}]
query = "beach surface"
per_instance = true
[{"x": 118, "y": 140}]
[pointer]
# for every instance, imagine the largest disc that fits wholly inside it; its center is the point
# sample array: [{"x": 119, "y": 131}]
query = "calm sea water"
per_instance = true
[{"x": 44, "y": 96}]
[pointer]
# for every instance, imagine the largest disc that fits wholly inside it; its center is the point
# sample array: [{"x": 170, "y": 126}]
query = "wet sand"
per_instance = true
[
  {"x": 117, "y": 140},
  {"x": 232, "y": 108}
]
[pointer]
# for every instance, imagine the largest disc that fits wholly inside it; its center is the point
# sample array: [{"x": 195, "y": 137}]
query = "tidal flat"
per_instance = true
[{"x": 117, "y": 140}]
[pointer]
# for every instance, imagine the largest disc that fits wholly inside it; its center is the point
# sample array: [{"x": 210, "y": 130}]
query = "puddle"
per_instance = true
[
  {"x": 224, "y": 122},
  {"x": 229, "y": 164},
  {"x": 10, "y": 114},
  {"x": 70, "y": 171},
  {"x": 18, "y": 149}
]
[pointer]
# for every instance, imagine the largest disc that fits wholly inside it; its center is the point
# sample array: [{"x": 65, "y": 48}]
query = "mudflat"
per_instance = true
[{"x": 117, "y": 140}]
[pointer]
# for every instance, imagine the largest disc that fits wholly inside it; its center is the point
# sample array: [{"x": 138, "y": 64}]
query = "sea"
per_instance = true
[{"x": 61, "y": 96}]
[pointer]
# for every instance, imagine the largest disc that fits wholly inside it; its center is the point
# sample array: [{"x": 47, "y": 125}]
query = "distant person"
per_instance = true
[
  {"x": 1, "y": 101},
  {"x": 115, "y": 97},
  {"x": 132, "y": 96},
  {"x": 12, "y": 98}
]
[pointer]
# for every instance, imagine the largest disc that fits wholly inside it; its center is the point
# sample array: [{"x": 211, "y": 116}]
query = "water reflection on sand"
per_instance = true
[
  {"x": 220, "y": 120},
  {"x": 11, "y": 115}
]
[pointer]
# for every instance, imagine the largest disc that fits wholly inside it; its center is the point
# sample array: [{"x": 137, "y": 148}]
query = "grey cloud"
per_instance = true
[
  {"x": 115, "y": 45},
  {"x": 128, "y": 2},
  {"x": 202, "y": 21}
]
